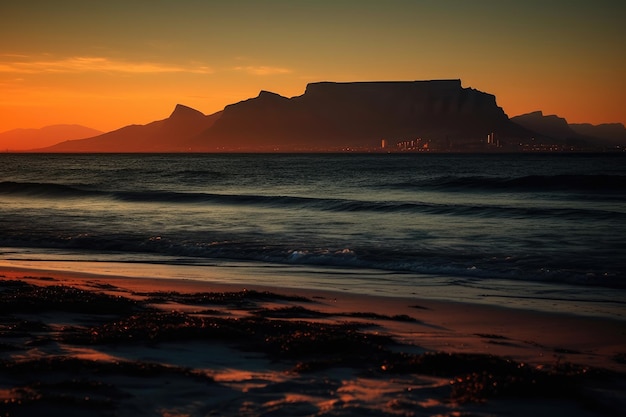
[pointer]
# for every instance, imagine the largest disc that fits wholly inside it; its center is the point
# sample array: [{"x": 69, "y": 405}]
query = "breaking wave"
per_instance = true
[{"x": 52, "y": 190}]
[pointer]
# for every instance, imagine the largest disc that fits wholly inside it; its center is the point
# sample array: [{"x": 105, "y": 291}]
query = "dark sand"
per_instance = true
[{"x": 77, "y": 344}]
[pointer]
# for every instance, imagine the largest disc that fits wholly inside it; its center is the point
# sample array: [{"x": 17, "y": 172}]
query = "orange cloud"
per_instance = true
[
  {"x": 263, "y": 70},
  {"x": 95, "y": 64}
]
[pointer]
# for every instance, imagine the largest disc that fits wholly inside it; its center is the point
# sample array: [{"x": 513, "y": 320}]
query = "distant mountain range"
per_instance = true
[
  {"x": 24, "y": 139},
  {"x": 552, "y": 126},
  {"x": 437, "y": 115},
  {"x": 168, "y": 135}
]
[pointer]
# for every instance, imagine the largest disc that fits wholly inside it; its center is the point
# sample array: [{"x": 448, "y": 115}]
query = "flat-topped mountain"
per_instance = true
[
  {"x": 328, "y": 116},
  {"x": 358, "y": 114},
  {"x": 436, "y": 115}
]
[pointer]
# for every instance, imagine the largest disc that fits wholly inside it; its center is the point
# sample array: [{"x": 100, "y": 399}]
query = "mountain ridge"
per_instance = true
[
  {"x": 553, "y": 126},
  {"x": 16, "y": 139},
  {"x": 167, "y": 135},
  {"x": 549, "y": 125},
  {"x": 332, "y": 116},
  {"x": 434, "y": 115}
]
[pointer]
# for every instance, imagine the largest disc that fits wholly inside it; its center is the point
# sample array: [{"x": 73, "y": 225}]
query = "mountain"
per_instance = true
[
  {"x": 168, "y": 135},
  {"x": 331, "y": 116},
  {"x": 612, "y": 133},
  {"x": 551, "y": 126},
  {"x": 24, "y": 139},
  {"x": 585, "y": 135},
  {"x": 437, "y": 115}
]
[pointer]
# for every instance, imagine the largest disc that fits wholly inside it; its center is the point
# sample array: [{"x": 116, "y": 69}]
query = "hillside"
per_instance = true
[
  {"x": 168, "y": 135},
  {"x": 25, "y": 139},
  {"x": 435, "y": 115}
]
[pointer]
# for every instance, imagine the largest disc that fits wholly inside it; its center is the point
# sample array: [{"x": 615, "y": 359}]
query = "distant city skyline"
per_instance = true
[{"x": 108, "y": 65}]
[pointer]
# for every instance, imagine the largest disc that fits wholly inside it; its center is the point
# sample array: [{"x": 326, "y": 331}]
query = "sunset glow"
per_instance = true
[
  {"x": 320, "y": 208},
  {"x": 107, "y": 65}
]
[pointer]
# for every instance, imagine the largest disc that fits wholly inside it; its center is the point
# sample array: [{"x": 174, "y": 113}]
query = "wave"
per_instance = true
[
  {"x": 529, "y": 183},
  {"x": 52, "y": 190},
  {"x": 430, "y": 262},
  {"x": 591, "y": 184},
  {"x": 39, "y": 189}
]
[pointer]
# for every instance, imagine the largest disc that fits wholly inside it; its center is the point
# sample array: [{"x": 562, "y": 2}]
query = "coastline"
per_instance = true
[
  {"x": 412, "y": 326},
  {"x": 537, "y": 296}
]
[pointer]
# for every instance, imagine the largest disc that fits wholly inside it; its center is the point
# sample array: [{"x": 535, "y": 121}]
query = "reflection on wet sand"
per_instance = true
[{"x": 139, "y": 347}]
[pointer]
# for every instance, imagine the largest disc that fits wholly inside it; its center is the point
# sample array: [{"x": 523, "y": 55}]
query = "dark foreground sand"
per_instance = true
[{"x": 77, "y": 344}]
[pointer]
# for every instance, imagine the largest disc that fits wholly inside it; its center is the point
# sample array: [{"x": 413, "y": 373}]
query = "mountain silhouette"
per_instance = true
[
  {"x": 612, "y": 133},
  {"x": 24, "y": 139},
  {"x": 359, "y": 115},
  {"x": 551, "y": 126},
  {"x": 439, "y": 114},
  {"x": 585, "y": 135},
  {"x": 168, "y": 135}
]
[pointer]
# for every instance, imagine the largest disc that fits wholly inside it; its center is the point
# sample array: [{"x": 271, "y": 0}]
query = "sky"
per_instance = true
[{"x": 108, "y": 64}]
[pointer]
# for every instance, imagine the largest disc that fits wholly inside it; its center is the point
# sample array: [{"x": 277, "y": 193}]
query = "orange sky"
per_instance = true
[{"x": 109, "y": 64}]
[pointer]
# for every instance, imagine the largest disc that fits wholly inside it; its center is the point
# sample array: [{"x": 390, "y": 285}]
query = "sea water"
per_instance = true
[{"x": 538, "y": 231}]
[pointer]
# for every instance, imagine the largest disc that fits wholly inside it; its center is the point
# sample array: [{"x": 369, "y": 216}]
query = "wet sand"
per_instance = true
[{"x": 73, "y": 343}]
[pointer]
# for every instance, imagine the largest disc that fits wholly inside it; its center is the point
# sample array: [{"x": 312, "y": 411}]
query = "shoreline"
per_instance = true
[
  {"x": 412, "y": 326},
  {"x": 560, "y": 298},
  {"x": 564, "y": 332}
]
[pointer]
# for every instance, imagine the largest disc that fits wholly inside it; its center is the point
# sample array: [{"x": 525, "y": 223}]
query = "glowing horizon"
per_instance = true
[{"x": 114, "y": 64}]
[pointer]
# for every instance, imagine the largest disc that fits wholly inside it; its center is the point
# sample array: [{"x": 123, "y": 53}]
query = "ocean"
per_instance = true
[{"x": 538, "y": 231}]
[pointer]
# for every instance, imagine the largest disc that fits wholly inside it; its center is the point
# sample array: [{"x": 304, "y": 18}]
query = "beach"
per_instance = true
[{"x": 74, "y": 343}]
